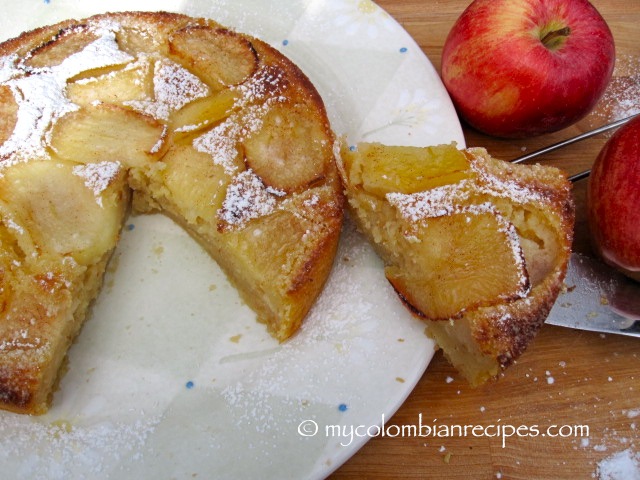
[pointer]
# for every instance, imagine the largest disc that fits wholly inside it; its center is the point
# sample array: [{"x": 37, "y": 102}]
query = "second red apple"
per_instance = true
[{"x": 613, "y": 200}]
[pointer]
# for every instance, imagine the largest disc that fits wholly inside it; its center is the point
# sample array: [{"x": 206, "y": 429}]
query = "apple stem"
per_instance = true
[{"x": 554, "y": 37}]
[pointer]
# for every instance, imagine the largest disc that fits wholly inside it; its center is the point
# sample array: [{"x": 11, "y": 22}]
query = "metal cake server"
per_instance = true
[{"x": 597, "y": 298}]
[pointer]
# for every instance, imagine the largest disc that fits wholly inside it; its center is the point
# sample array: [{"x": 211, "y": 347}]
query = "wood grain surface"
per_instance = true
[{"x": 567, "y": 378}]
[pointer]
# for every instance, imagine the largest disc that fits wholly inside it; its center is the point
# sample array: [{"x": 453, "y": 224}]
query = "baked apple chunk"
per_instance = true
[
  {"x": 217, "y": 55},
  {"x": 92, "y": 134},
  {"x": 449, "y": 271},
  {"x": 474, "y": 246}
]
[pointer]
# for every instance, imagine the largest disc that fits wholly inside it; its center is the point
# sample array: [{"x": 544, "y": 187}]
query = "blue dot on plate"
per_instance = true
[
  {"x": 285, "y": 42},
  {"x": 130, "y": 227},
  {"x": 342, "y": 407},
  {"x": 403, "y": 50},
  {"x": 189, "y": 384}
]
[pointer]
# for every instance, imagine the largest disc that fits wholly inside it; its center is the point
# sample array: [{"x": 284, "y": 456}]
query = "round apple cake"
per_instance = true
[{"x": 153, "y": 112}]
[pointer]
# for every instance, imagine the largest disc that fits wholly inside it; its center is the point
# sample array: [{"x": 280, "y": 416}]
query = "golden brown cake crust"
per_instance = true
[{"x": 214, "y": 128}]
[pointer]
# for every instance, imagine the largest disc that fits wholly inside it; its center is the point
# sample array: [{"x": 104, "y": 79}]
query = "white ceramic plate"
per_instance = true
[{"x": 171, "y": 376}]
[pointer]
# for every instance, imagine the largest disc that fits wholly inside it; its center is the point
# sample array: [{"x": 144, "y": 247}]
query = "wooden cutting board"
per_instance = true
[{"x": 579, "y": 391}]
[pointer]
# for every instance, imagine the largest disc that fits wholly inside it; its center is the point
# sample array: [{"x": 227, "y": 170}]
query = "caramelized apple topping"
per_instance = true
[
  {"x": 132, "y": 83},
  {"x": 202, "y": 113},
  {"x": 53, "y": 52},
  {"x": 219, "y": 57},
  {"x": 93, "y": 134},
  {"x": 287, "y": 152},
  {"x": 381, "y": 169},
  {"x": 66, "y": 209},
  {"x": 459, "y": 262}
]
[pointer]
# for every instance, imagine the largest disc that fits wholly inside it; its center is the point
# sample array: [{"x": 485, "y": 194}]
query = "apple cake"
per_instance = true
[
  {"x": 476, "y": 247},
  {"x": 153, "y": 112}
]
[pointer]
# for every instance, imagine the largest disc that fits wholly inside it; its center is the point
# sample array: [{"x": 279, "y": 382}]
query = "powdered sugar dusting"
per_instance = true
[
  {"x": 40, "y": 94},
  {"x": 10, "y": 223},
  {"x": 491, "y": 184},
  {"x": 41, "y": 101},
  {"x": 255, "y": 100},
  {"x": 444, "y": 200},
  {"x": 61, "y": 449},
  {"x": 267, "y": 82},
  {"x": 102, "y": 52},
  {"x": 174, "y": 87},
  {"x": 8, "y": 67},
  {"x": 97, "y": 176},
  {"x": 19, "y": 340},
  {"x": 221, "y": 142},
  {"x": 437, "y": 202},
  {"x": 622, "y": 97},
  {"x": 247, "y": 198}
]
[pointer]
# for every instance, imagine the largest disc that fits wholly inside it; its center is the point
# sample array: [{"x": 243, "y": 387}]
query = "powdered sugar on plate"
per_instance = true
[{"x": 62, "y": 449}]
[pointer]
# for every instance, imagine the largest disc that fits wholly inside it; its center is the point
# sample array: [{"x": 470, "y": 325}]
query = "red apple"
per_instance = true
[
  {"x": 613, "y": 200},
  {"x": 518, "y": 68}
]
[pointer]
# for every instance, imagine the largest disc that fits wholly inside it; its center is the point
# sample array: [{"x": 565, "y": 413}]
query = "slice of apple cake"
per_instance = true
[
  {"x": 214, "y": 128},
  {"x": 476, "y": 247}
]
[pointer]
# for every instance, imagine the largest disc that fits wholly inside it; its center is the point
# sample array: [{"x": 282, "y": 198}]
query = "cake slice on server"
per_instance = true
[{"x": 474, "y": 246}]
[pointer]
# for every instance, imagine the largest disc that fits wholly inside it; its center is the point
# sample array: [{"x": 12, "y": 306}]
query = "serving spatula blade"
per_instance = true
[{"x": 597, "y": 298}]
